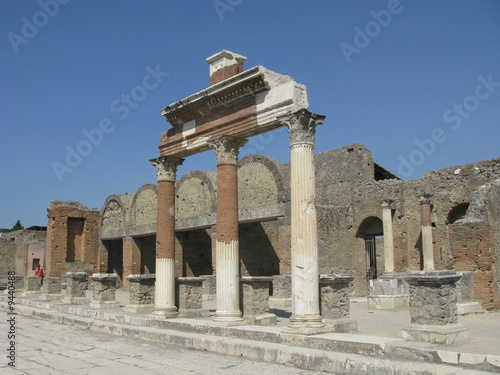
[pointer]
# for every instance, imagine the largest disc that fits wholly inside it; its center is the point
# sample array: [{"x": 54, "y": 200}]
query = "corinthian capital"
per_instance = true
[
  {"x": 166, "y": 167},
  {"x": 227, "y": 148},
  {"x": 302, "y": 126}
]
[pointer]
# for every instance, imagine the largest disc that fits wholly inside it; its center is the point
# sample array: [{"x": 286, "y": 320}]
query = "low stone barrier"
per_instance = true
[
  {"x": 209, "y": 287},
  {"x": 76, "y": 288},
  {"x": 142, "y": 293},
  {"x": 104, "y": 293},
  {"x": 389, "y": 292},
  {"x": 282, "y": 291},
  {"x": 32, "y": 286},
  {"x": 51, "y": 289},
  {"x": 255, "y": 300},
  {"x": 334, "y": 306},
  {"x": 433, "y": 308},
  {"x": 189, "y": 293}
]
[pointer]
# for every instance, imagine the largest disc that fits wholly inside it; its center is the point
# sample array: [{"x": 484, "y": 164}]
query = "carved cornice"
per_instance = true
[
  {"x": 302, "y": 126},
  {"x": 227, "y": 148},
  {"x": 166, "y": 167}
]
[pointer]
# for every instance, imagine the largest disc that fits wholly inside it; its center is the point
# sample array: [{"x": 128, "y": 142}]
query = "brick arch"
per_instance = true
[
  {"x": 195, "y": 195},
  {"x": 370, "y": 225},
  {"x": 260, "y": 181},
  {"x": 143, "y": 207},
  {"x": 113, "y": 217}
]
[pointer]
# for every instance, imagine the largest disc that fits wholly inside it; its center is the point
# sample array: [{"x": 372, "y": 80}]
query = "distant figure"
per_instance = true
[{"x": 39, "y": 271}]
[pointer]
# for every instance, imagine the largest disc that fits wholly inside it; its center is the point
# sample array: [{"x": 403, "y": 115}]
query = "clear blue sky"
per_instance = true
[{"x": 388, "y": 74}]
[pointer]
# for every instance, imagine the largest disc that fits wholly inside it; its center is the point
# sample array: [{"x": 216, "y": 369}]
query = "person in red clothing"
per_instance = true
[{"x": 39, "y": 271}]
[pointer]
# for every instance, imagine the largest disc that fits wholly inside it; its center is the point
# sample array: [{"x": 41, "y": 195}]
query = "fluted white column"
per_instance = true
[
  {"x": 388, "y": 236},
  {"x": 427, "y": 246},
  {"x": 306, "y": 316}
]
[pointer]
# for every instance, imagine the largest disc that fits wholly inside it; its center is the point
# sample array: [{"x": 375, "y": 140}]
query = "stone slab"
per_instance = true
[{"x": 446, "y": 334}]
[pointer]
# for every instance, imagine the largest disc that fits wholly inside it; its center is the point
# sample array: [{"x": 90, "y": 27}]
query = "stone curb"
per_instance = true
[{"x": 338, "y": 353}]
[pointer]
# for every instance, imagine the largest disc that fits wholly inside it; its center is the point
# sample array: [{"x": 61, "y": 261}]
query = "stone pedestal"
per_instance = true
[
  {"x": 282, "y": 291},
  {"x": 433, "y": 308},
  {"x": 466, "y": 301},
  {"x": 76, "y": 287},
  {"x": 190, "y": 297},
  {"x": 51, "y": 289},
  {"x": 209, "y": 287},
  {"x": 142, "y": 293},
  {"x": 334, "y": 295},
  {"x": 32, "y": 286},
  {"x": 104, "y": 293},
  {"x": 255, "y": 300},
  {"x": 389, "y": 292}
]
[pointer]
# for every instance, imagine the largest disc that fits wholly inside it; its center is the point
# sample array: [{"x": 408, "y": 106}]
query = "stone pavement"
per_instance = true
[
  {"x": 376, "y": 348},
  {"x": 53, "y": 349}
]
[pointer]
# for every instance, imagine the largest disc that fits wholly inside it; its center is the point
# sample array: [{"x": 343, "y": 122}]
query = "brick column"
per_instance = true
[
  {"x": 427, "y": 247},
  {"x": 227, "y": 243},
  {"x": 166, "y": 168},
  {"x": 131, "y": 260},
  {"x": 306, "y": 316},
  {"x": 388, "y": 236}
]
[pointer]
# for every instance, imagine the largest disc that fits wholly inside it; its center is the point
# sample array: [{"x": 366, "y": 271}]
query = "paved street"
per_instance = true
[{"x": 53, "y": 349}]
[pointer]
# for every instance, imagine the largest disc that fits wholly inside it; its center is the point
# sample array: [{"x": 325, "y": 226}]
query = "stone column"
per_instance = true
[
  {"x": 427, "y": 247},
  {"x": 306, "y": 316},
  {"x": 227, "y": 242},
  {"x": 166, "y": 167},
  {"x": 388, "y": 236}
]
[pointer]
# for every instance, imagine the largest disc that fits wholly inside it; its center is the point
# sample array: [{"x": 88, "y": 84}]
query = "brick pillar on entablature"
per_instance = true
[
  {"x": 306, "y": 316},
  {"x": 166, "y": 167},
  {"x": 227, "y": 263}
]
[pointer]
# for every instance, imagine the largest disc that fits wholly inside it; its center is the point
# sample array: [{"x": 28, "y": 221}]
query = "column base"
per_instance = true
[
  {"x": 392, "y": 302},
  {"x": 75, "y": 300},
  {"x": 447, "y": 334},
  {"x": 307, "y": 325},
  {"x": 165, "y": 313},
  {"x": 105, "y": 304},
  {"x": 228, "y": 319},
  {"x": 139, "y": 308},
  {"x": 194, "y": 313}
]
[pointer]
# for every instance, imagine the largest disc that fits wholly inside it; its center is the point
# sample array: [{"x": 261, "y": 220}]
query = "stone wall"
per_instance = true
[
  {"x": 14, "y": 251},
  {"x": 72, "y": 239}
]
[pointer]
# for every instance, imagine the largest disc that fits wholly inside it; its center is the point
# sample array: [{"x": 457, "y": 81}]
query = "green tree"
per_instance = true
[{"x": 17, "y": 226}]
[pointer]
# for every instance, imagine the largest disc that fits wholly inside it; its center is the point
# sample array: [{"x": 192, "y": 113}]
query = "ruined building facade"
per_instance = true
[{"x": 349, "y": 189}]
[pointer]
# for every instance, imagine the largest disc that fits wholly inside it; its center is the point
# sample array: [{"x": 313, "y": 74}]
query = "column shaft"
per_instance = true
[
  {"x": 427, "y": 246},
  {"x": 388, "y": 238}
]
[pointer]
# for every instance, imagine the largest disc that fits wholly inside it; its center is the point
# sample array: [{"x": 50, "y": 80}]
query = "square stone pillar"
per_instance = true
[
  {"x": 335, "y": 302},
  {"x": 51, "y": 289},
  {"x": 76, "y": 288},
  {"x": 104, "y": 293},
  {"x": 427, "y": 245},
  {"x": 32, "y": 286},
  {"x": 131, "y": 260},
  {"x": 190, "y": 297},
  {"x": 166, "y": 169},
  {"x": 282, "y": 291},
  {"x": 433, "y": 308},
  {"x": 255, "y": 300},
  {"x": 142, "y": 293},
  {"x": 306, "y": 318}
]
